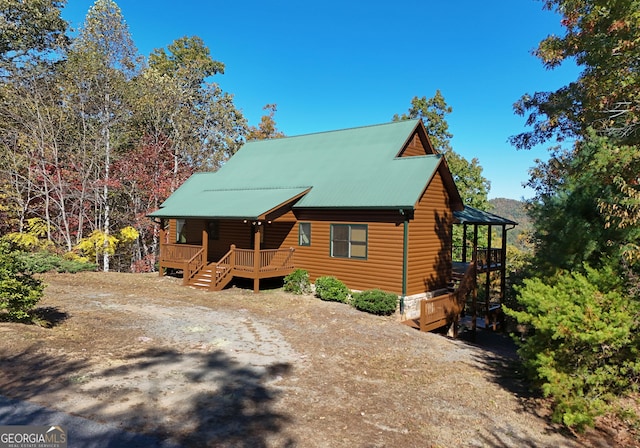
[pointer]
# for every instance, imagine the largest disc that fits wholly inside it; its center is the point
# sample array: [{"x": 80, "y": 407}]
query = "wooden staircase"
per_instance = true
[
  {"x": 212, "y": 277},
  {"x": 445, "y": 309},
  {"x": 456, "y": 279}
]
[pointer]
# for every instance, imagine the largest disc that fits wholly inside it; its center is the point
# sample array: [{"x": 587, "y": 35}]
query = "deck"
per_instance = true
[{"x": 199, "y": 272}]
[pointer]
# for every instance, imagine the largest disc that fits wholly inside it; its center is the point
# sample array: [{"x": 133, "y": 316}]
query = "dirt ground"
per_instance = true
[{"x": 238, "y": 369}]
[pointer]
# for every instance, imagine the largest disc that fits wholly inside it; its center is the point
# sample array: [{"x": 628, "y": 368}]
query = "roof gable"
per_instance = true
[{"x": 418, "y": 144}]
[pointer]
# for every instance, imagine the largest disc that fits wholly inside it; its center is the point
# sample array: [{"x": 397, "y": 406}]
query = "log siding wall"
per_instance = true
[
  {"x": 383, "y": 266},
  {"x": 429, "y": 257},
  {"x": 414, "y": 147}
]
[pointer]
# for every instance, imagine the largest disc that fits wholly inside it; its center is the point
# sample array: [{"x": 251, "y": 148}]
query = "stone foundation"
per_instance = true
[{"x": 412, "y": 303}]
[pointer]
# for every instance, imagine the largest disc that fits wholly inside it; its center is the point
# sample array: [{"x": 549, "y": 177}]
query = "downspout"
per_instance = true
[{"x": 405, "y": 256}]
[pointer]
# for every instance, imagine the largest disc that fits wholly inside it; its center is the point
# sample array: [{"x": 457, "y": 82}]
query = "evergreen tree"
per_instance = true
[{"x": 581, "y": 298}]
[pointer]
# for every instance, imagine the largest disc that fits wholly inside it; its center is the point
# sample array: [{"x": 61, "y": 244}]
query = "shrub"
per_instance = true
[
  {"x": 32, "y": 239},
  {"x": 332, "y": 289},
  {"x": 19, "y": 291},
  {"x": 583, "y": 350},
  {"x": 297, "y": 282},
  {"x": 376, "y": 301},
  {"x": 40, "y": 262}
]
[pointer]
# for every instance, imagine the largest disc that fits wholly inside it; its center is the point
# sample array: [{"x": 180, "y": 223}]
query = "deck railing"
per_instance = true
[
  {"x": 276, "y": 259},
  {"x": 241, "y": 262},
  {"x": 244, "y": 260},
  {"x": 486, "y": 256},
  {"x": 270, "y": 260},
  {"x": 441, "y": 310},
  {"x": 178, "y": 252}
]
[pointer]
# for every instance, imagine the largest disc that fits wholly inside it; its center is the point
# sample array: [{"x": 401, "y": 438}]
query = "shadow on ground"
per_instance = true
[
  {"x": 233, "y": 405},
  {"x": 47, "y": 317},
  {"x": 500, "y": 360}
]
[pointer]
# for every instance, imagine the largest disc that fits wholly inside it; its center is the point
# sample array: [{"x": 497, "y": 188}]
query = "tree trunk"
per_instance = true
[{"x": 105, "y": 198}]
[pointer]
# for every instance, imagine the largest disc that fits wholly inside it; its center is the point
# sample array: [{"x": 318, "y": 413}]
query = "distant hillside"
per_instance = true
[
  {"x": 511, "y": 209},
  {"x": 515, "y": 211}
]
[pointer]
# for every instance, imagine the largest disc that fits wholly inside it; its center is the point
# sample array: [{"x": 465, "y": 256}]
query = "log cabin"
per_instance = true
[{"x": 373, "y": 206}]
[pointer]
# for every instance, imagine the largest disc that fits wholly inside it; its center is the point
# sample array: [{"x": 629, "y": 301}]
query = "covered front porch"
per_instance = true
[{"x": 204, "y": 268}]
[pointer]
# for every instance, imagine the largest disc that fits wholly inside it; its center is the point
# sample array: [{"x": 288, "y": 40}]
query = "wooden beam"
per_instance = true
[
  {"x": 163, "y": 236},
  {"x": 205, "y": 244},
  {"x": 503, "y": 264},
  {"x": 464, "y": 243},
  {"x": 488, "y": 279},
  {"x": 257, "y": 232},
  {"x": 474, "y": 295}
]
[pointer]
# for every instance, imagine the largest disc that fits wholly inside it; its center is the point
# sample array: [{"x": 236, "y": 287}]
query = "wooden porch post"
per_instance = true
[
  {"x": 163, "y": 237},
  {"x": 488, "y": 279},
  {"x": 503, "y": 264},
  {"x": 205, "y": 244},
  {"x": 474, "y": 295},
  {"x": 464, "y": 243},
  {"x": 257, "y": 231}
]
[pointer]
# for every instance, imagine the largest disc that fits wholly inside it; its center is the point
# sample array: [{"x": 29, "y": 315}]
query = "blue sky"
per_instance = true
[{"x": 338, "y": 64}]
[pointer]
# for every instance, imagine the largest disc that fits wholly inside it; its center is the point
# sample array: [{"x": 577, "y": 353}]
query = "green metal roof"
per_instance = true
[
  {"x": 211, "y": 203},
  {"x": 351, "y": 168},
  {"x": 472, "y": 215}
]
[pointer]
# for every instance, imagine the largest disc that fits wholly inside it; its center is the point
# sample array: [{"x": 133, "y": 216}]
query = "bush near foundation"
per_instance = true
[
  {"x": 331, "y": 289},
  {"x": 297, "y": 282},
  {"x": 375, "y": 301}
]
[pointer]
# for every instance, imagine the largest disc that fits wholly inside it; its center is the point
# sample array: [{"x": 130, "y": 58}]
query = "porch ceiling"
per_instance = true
[{"x": 228, "y": 204}]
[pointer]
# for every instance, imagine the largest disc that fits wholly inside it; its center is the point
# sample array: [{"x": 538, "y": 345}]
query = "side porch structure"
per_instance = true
[{"x": 478, "y": 277}]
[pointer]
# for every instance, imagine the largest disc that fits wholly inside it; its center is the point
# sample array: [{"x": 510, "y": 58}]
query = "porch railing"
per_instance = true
[
  {"x": 241, "y": 262},
  {"x": 270, "y": 260},
  {"x": 441, "y": 310},
  {"x": 178, "y": 252},
  {"x": 244, "y": 260},
  {"x": 276, "y": 259},
  {"x": 486, "y": 256}
]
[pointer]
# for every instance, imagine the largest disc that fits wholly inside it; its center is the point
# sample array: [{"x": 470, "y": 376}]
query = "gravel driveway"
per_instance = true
[{"x": 238, "y": 369}]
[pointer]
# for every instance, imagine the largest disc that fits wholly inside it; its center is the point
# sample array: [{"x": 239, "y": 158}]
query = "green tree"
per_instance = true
[
  {"x": 19, "y": 290},
  {"x": 188, "y": 60},
  {"x": 104, "y": 60},
  {"x": 32, "y": 40},
  {"x": 204, "y": 125},
  {"x": 603, "y": 38},
  {"x": 583, "y": 277},
  {"x": 267, "y": 127},
  {"x": 30, "y": 29},
  {"x": 473, "y": 187},
  {"x": 584, "y": 350}
]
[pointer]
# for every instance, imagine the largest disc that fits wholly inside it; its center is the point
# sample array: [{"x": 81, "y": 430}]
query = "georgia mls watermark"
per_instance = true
[{"x": 31, "y": 436}]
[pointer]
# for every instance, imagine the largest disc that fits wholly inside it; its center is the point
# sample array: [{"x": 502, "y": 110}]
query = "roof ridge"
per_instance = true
[{"x": 353, "y": 128}]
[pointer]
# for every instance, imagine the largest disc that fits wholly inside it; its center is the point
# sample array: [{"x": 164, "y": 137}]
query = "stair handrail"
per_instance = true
[
  {"x": 226, "y": 265},
  {"x": 467, "y": 284},
  {"x": 192, "y": 266}
]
